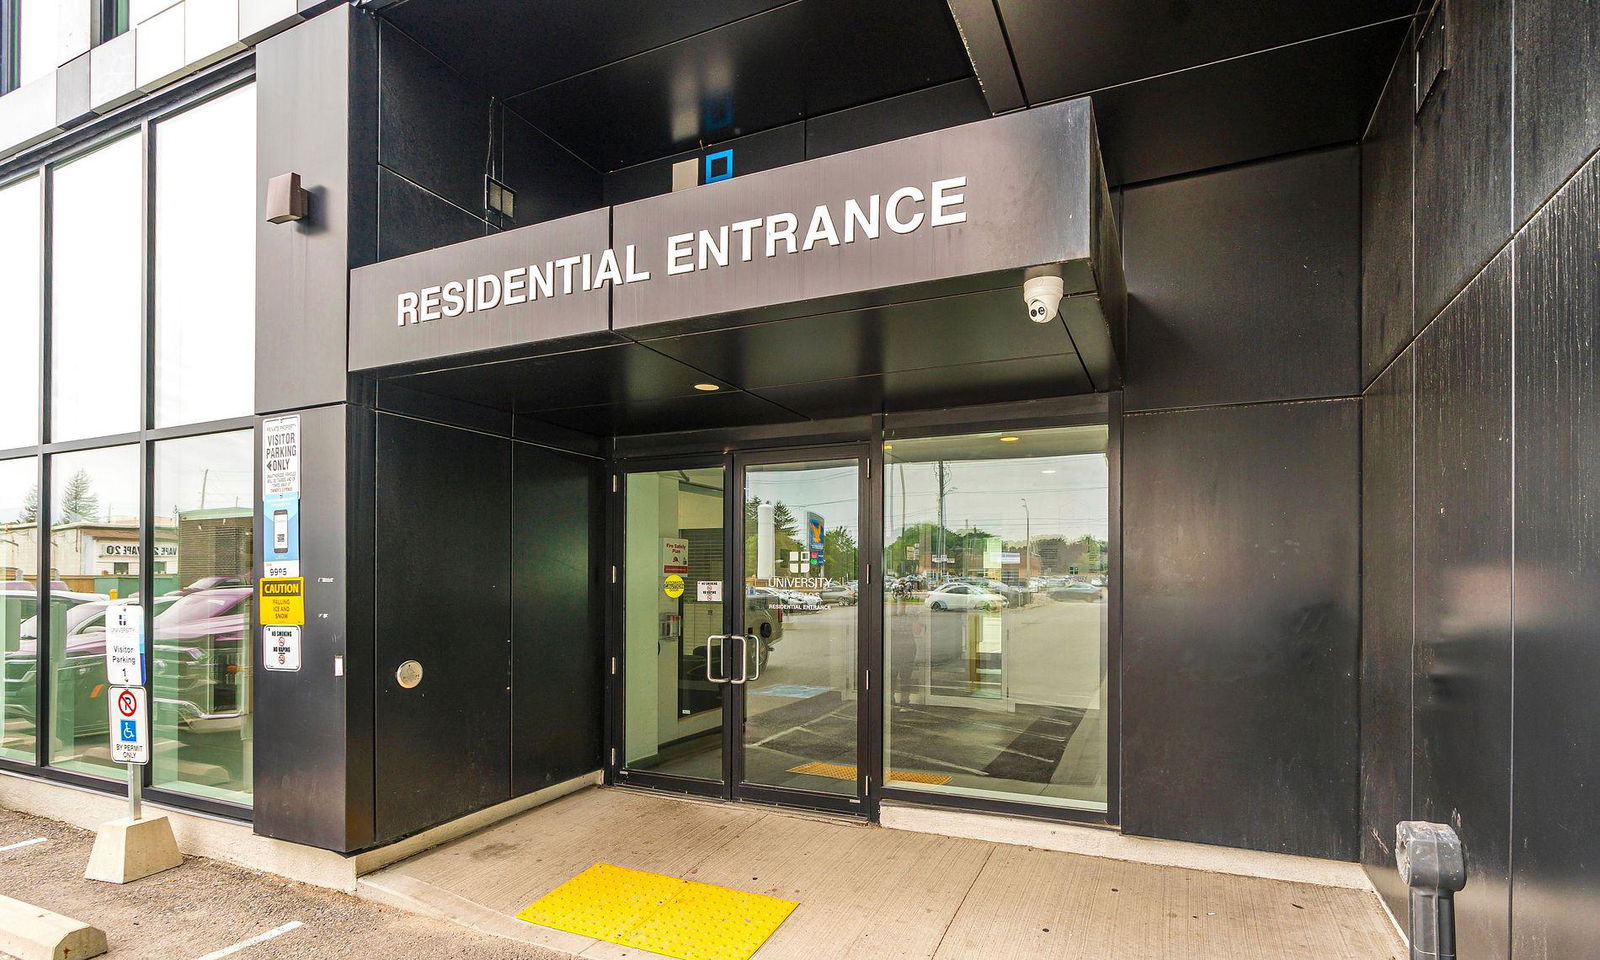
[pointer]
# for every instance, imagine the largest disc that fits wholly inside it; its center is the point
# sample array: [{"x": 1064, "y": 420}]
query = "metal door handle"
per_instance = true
[
  {"x": 718, "y": 638},
  {"x": 745, "y": 663},
  {"x": 744, "y": 658}
]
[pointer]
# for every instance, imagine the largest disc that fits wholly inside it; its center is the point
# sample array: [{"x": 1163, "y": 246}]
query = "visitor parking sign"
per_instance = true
[{"x": 130, "y": 725}]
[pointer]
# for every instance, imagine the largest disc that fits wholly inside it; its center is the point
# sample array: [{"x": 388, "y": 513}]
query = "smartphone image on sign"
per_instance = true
[{"x": 280, "y": 531}]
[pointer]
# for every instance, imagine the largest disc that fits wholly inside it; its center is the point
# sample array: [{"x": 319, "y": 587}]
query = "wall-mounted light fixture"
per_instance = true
[{"x": 286, "y": 199}]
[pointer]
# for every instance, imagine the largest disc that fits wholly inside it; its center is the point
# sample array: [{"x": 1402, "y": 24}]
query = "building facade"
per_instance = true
[{"x": 1172, "y": 418}]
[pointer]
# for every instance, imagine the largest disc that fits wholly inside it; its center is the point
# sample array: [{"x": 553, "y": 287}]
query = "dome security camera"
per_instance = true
[{"x": 1043, "y": 295}]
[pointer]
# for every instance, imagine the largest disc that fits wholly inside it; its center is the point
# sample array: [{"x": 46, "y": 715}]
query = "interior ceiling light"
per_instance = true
[
  {"x": 707, "y": 387},
  {"x": 1008, "y": 438},
  {"x": 1047, "y": 471}
]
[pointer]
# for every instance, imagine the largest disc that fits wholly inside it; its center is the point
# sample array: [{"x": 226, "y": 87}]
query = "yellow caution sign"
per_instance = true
[
  {"x": 282, "y": 601},
  {"x": 672, "y": 586}
]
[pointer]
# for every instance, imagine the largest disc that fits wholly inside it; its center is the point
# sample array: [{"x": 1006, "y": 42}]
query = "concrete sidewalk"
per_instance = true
[
  {"x": 204, "y": 906},
  {"x": 870, "y": 893}
]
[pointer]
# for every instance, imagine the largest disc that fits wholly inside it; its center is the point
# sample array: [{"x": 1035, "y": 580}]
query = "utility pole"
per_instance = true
[{"x": 1027, "y": 538}]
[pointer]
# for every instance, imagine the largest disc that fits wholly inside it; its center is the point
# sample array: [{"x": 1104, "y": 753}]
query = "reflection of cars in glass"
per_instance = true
[
  {"x": 839, "y": 593},
  {"x": 794, "y": 601},
  {"x": 200, "y": 658},
  {"x": 963, "y": 596},
  {"x": 1075, "y": 591}
]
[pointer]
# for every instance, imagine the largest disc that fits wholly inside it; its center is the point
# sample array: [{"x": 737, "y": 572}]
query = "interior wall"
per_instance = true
[
  {"x": 1241, "y": 506},
  {"x": 1481, "y": 276}
]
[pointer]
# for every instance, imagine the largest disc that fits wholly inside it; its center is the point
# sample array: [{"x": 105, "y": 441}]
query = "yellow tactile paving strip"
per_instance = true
[
  {"x": 665, "y": 915},
  {"x": 846, "y": 771}
]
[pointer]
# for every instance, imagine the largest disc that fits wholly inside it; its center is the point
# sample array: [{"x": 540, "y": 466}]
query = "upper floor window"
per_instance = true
[
  {"x": 38, "y": 38},
  {"x": 205, "y": 208},
  {"x": 96, "y": 292}
]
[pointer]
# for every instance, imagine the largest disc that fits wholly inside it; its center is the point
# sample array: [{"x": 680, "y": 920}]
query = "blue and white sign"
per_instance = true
[
  {"x": 130, "y": 725},
  {"x": 281, "y": 553},
  {"x": 125, "y": 645}
]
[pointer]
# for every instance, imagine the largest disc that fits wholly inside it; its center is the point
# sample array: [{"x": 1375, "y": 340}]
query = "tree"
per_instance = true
[
  {"x": 79, "y": 503},
  {"x": 839, "y": 553},
  {"x": 30, "y": 506}
]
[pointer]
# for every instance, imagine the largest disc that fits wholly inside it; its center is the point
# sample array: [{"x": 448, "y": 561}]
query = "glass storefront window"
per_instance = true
[
  {"x": 19, "y": 320},
  {"x": 201, "y": 681},
  {"x": 995, "y": 621},
  {"x": 19, "y": 607},
  {"x": 205, "y": 208},
  {"x": 94, "y": 556},
  {"x": 96, "y": 290},
  {"x": 38, "y": 39}
]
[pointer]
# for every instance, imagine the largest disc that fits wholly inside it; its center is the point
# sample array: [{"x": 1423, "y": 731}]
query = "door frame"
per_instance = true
[
  {"x": 708, "y": 446},
  {"x": 869, "y": 712},
  {"x": 869, "y": 648}
]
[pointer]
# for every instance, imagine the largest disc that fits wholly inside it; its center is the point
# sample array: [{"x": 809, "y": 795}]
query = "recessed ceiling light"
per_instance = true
[
  {"x": 1008, "y": 438},
  {"x": 1047, "y": 471},
  {"x": 888, "y": 446},
  {"x": 707, "y": 387}
]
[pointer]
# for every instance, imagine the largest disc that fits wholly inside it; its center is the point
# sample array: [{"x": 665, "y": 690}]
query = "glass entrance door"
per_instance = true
[
  {"x": 740, "y": 671},
  {"x": 799, "y": 695}
]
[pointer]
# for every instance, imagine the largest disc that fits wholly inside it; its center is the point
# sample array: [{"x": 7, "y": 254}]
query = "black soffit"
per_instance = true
[{"x": 621, "y": 82}]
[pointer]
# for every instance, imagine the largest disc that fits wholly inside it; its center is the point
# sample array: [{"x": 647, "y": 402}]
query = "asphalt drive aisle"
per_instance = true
[{"x": 204, "y": 907}]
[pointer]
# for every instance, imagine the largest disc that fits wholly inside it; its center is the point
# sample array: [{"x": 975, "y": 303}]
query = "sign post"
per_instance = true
[{"x": 136, "y": 846}]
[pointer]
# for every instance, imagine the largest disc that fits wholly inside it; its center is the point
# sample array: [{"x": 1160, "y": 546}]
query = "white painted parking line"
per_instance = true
[
  {"x": 25, "y": 843},
  {"x": 259, "y": 938}
]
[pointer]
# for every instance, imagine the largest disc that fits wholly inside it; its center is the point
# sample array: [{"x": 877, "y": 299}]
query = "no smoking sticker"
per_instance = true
[{"x": 280, "y": 648}]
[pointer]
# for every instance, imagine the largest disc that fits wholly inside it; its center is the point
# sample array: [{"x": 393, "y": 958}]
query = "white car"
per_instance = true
[{"x": 964, "y": 596}]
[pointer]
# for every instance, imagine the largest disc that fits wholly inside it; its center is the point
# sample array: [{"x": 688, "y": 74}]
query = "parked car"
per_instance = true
[
  {"x": 963, "y": 596},
  {"x": 839, "y": 593},
  {"x": 1075, "y": 591}
]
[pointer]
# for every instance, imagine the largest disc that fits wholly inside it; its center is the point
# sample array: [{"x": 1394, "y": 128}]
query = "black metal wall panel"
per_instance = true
[
  {"x": 434, "y": 125},
  {"x": 1240, "y": 610},
  {"x": 1277, "y": 101},
  {"x": 1066, "y": 49},
  {"x": 442, "y": 569},
  {"x": 313, "y": 753},
  {"x": 1243, "y": 284},
  {"x": 1463, "y": 173},
  {"x": 907, "y": 115},
  {"x": 1557, "y": 91},
  {"x": 1556, "y": 788},
  {"x": 1387, "y": 410},
  {"x": 1386, "y": 295},
  {"x": 764, "y": 150},
  {"x": 549, "y": 181},
  {"x": 410, "y": 219},
  {"x": 313, "y": 88},
  {"x": 557, "y": 653},
  {"x": 1463, "y": 584}
]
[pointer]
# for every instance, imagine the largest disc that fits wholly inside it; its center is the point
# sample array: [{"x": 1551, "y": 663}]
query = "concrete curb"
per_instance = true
[{"x": 28, "y": 932}]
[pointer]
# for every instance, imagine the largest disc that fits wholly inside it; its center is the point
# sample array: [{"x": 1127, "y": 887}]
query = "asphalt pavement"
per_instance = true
[{"x": 204, "y": 907}]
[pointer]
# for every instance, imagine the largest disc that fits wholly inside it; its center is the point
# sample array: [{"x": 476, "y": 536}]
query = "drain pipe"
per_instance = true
[{"x": 1434, "y": 867}]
